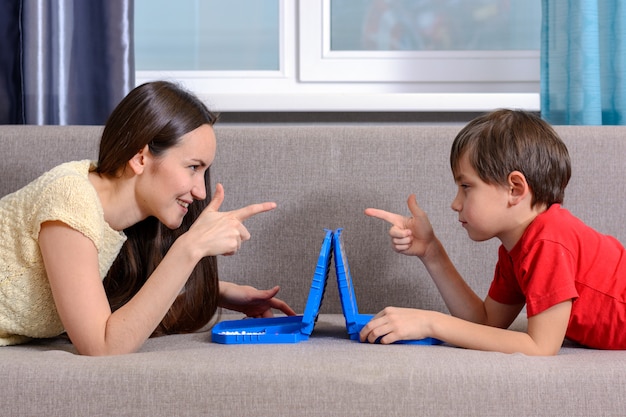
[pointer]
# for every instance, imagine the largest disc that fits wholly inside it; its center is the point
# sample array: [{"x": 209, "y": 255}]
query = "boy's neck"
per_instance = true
[{"x": 520, "y": 222}]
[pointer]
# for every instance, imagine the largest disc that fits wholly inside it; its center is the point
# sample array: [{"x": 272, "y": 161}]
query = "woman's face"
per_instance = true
[{"x": 176, "y": 178}]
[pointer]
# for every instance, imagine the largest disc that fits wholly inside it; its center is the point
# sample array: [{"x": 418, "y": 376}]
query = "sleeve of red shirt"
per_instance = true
[
  {"x": 542, "y": 276},
  {"x": 504, "y": 287}
]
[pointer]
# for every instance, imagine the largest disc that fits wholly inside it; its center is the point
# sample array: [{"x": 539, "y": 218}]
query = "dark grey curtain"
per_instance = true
[
  {"x": 64, "y": 61},
  {"x": 10, "y": 63}
]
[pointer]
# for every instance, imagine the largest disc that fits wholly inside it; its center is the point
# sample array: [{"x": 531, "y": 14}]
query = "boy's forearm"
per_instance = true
[
  {"x": 460, "y": 299},
  {"x": 470, "y": 335}
]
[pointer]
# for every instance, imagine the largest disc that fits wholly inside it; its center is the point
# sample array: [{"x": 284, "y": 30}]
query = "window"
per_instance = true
[
  {"x": 234, "y": 35},
  {"x": 345, "y": 55},
  {"x": 439, "y": 25}
]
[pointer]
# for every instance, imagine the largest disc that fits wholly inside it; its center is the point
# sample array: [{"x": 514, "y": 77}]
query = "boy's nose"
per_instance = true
[{"x": 456, "y": 204}]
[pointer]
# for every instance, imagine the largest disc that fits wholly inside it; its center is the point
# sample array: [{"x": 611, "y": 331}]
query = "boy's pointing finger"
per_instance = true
[{"x": 392, "y": 218}]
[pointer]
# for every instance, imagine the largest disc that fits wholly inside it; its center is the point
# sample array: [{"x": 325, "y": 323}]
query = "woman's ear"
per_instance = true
[
  {"x": 138, "y": 162},
  {"x": 519, "y": 188}
]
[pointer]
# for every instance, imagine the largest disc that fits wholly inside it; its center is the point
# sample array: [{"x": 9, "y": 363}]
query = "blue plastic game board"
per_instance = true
[
  {"x": 354, "y": 320},
  {"x": 290, "y": 329},
  {"x": 293, "y": 329}
]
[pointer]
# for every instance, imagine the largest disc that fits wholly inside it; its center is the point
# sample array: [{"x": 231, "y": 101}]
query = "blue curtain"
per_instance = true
[
  {"x": 583, "y": 62},
  {"x": 64, "y": 61}
]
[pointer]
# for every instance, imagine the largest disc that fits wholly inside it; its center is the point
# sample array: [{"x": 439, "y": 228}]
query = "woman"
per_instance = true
[{"x": 114, "y": 252}]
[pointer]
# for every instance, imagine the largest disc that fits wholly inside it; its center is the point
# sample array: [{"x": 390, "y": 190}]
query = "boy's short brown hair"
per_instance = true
[{"x": 504, "y": 141}]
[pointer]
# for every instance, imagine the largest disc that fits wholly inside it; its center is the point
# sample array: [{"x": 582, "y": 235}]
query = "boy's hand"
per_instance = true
[
  {"x": 409, "y": 235},
  {"x": 393, "y": 324}
]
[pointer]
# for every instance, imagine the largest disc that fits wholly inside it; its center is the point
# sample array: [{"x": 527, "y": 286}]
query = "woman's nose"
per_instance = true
[{"x": 199, "y": 190}]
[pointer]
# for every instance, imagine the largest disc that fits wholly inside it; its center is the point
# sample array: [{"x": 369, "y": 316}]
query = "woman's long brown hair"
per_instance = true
[{"x": 157, "y": 114}]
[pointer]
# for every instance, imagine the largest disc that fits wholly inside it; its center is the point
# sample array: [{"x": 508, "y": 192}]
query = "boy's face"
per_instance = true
[{"x": 482, "y": 207}]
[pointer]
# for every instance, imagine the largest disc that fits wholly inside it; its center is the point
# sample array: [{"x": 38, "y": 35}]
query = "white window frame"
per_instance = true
[
  {"x": 311, "y": 77},
  {"x": 319, "y": 63}
]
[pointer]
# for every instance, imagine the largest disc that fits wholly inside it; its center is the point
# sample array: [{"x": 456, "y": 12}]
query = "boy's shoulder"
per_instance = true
[
  {"x": 556, "y": 213},
  {"x": 556, "y": 224},
  {"x": 559, "y": 225}
]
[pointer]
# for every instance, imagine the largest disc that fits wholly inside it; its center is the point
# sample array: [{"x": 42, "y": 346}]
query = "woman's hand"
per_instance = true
[
  {"x": 222, "y": 233},
  {"x": 250, "y": 301}
]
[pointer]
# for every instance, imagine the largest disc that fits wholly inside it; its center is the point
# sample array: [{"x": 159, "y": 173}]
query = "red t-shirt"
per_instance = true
[{"x": 560, "y": 258}]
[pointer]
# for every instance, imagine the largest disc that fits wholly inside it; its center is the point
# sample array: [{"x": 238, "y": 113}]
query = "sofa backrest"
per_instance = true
[{"x": 324, "y": 176}]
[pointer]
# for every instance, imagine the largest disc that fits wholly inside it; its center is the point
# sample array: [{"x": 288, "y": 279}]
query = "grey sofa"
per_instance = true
[{"x": 324, "y": 176}]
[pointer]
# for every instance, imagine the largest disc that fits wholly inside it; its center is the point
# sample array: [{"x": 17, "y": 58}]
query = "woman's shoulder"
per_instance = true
[
  {"x": 74, "y": 170},
  {"x": 67, "y": 188},
  {"x": 64, "y": 179},
  {"x": 58, "y": 186},
  {"x": 78, "y": 169},
  {"x": 63, "y": 193},
  {"x": 71, "y": 172}
]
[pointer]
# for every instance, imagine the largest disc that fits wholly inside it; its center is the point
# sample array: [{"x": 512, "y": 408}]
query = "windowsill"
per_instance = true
[{"x": 371, "y": 102}]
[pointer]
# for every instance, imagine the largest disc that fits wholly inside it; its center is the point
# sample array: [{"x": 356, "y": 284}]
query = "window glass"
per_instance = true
[
  {"x": 423, "y": 25},
  {"x": 352, "y": 55},
  {"x": 207, "y": 35}
]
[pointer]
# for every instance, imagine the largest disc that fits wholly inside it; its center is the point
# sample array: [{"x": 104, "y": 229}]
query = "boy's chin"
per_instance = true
[{"x": 478, "y": 238}]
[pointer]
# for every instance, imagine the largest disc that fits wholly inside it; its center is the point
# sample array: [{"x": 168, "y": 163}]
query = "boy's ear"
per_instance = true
[
  {"x": 138, "y": 162},
  {"x": 519, "y": 188}
]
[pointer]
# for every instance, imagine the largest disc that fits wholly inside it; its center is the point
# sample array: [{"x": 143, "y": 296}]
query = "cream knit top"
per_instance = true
[{"x": 65, "y": 194}]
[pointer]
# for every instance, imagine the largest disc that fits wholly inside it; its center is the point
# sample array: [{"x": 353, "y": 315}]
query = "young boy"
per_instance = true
[{"x": 511, "y": 170}]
